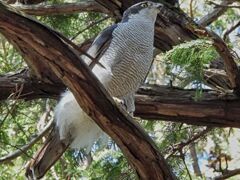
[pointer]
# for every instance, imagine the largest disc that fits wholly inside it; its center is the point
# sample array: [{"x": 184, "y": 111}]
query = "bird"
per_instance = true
[{"x": 125, "y": 54}]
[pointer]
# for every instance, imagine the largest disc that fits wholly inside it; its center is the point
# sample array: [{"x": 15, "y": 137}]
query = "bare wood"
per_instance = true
[
  {"x": 136, "y": 145},
  {"x": 66, "y": 8},
  {"x": 49, "y": 153},
  {"x": 229, "y": 63}
]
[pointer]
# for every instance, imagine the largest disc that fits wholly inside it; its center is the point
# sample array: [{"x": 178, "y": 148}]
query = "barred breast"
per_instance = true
[{"x": 128, "y": 58}]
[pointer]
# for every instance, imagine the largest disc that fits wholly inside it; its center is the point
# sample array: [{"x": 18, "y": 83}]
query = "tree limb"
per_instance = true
[
  {"x": 228, "y": 174},
  {"x": 221, "y": 5},
  {"x": 218, "y": 11},
  {"x": 59, "y": 9},
  {"x": 30, "y": 87},
  {"x": 152, "y": 102},
  {"x": 180, "y": 106},
  {"x": 230, "y": 30}
]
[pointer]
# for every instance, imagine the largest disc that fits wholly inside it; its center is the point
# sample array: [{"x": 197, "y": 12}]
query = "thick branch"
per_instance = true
[
  {"x": 152, "y": 102},
  {"x": 58, "y": 9},
  {"x": 229, "y": 63},
  {"x": 24, "y": 86},
  {"x": 180, "y": 106},
  {"x": 131, "y": 138}
]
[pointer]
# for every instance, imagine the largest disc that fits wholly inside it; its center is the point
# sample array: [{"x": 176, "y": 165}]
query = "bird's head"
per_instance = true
[{"x": 145, "y": 10}]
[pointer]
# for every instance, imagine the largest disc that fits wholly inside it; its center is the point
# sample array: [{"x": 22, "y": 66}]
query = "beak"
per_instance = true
[{"x": 158, "y": 5}]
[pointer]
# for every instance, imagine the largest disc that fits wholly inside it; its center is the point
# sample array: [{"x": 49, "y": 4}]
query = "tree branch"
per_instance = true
[
  {"x": 159, "y": 102},
  {"x": 230, "y": 30},
  {"x": 66, "y": 8},
  {"x": 214, "y": 15},
  {"x": 152, "y": 102},
  {"x": 221, "y": 5},
  {"x": 179, "y": 147},
  {"x": 228, "y": 174},
  {"x": 30, "y": 87}
]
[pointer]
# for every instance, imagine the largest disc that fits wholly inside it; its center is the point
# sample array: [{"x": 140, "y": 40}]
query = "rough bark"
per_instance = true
[
  {"x": 136, "y": 145},
  {"x": 180, "y": 106},
  {"x": 23, "y": 85}
]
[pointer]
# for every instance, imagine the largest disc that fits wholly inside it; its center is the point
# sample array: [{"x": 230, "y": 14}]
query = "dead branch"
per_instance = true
[
  {"x": 66, "y": 8},
  {"x": 172, "y": 104}
]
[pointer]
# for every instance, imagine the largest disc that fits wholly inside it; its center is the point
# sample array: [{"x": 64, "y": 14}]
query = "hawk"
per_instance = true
[{"x": 125, "y": 53}]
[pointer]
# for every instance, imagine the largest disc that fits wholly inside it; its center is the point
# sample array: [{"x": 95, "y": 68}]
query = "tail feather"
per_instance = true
[{"x": 51, "y": 151}]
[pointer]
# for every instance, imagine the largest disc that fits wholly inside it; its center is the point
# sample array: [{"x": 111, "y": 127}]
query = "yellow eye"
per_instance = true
[{"x": 144, "y": 5}]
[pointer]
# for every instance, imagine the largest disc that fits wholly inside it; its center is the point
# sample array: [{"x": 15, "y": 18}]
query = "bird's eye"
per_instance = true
[{"x": 144, "y": 5}]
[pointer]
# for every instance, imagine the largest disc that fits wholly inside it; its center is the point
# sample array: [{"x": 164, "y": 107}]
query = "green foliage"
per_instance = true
[
  {"x": 110, "y": 165},
  {"x": 10, "y": 60},
  {"x": 17, "y": 127},
  {"x": 192, "y": 57},
  {"x": 186, "y": 62},
  {"x": 70, "y": 25}
]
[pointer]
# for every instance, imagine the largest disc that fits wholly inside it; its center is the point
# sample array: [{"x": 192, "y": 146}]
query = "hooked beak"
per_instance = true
[{"x": 158, "y": 5}]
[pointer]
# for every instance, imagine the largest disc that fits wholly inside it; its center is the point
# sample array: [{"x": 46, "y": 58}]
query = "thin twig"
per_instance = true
[
  {"x": 221, "y": 5},
  {"x": 89, "y": 26},
  {"x": 191, "y": 8},
  {"x": 182, "y": 155},
  {"x": 178, "y": 147},
  {"x": 23, "y": 149}
]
